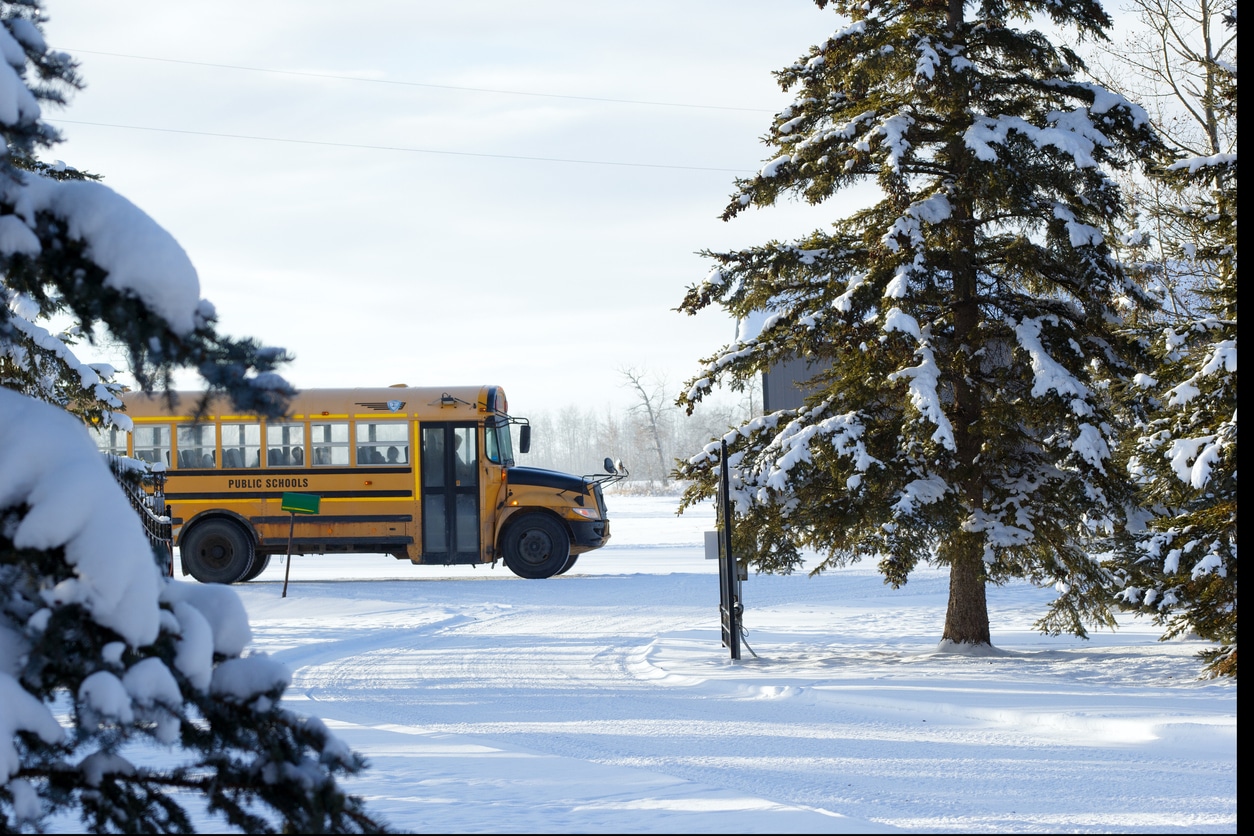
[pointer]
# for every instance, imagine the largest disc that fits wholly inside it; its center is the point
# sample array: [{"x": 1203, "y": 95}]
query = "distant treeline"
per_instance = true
[{"x": 647, "y": 440}]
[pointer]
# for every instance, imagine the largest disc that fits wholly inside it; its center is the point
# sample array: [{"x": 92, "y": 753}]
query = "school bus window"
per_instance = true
[
  {"x": 382, "y": 443},
  {"x": 109, "y": 440},
  {"x": 285, "y": 445},
  {"x": 330, "y": 444},
  {"x": 152, "y": 443},
  {"x": 433, "y": 460},
  {"x": 196, "y": 445},
  {"x": 465, "y": 456},
  {"x": 241, "y": 445}
]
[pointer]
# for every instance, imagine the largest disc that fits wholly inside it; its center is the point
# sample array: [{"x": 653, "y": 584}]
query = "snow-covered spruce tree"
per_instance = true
[
  {"x": 41, "y": 364},
  {"x": 968, "y": 318},
  {"x": 103, "y": 660},
  {"x": 1182, "y": 567}
]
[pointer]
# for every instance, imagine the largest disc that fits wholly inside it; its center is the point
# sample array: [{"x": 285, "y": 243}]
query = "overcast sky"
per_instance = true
[{"x": 436, "y": 193}]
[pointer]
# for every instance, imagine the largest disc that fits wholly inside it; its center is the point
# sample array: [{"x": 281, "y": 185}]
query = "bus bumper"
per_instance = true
[{"x": 592, "y": 534}]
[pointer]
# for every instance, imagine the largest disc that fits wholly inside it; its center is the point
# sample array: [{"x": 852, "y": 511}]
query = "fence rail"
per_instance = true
[{"x": 134, "y": 475}]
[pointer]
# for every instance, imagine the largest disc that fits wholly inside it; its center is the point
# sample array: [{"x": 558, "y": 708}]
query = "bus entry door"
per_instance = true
[{"x": 450, "y": 493}]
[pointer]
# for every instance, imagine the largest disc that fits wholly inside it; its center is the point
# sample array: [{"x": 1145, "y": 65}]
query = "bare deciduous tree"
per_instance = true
[
  {"x": 651, "y": 409},
  {"x": 1177, "y": 63}
]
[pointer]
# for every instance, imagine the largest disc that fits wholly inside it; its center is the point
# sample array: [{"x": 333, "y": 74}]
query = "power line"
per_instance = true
[
  {"x": 394, "y": 147},
  {"x": 417, "y": 83}
]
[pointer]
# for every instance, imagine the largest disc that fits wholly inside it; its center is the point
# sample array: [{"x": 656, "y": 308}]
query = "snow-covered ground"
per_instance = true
[{"x": 603, "y": 700}]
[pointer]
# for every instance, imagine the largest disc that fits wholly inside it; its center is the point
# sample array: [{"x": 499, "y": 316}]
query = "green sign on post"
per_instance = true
[
  {"x": 296, "y": 503},
  {"x": 301, "y": 503}
]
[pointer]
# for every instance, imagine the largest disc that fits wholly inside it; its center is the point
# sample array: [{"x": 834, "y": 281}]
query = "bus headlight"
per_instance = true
[{"x": 587, "y": 513}]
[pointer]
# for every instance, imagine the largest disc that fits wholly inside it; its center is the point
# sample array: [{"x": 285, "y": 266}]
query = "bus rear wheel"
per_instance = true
[
  {"x": 217, "y": 551},
  {"x": 536, "y": 546},
  {"x": 260, "y": 563}
]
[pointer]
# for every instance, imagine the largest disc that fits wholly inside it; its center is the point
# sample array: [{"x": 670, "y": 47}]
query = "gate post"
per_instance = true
[
  {"x": 730, "y": 608},
  {"x": 165, "y": 531}
]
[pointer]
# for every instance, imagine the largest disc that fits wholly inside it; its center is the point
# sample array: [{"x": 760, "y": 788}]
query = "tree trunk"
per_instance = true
[{"x": 966, "y": 619}]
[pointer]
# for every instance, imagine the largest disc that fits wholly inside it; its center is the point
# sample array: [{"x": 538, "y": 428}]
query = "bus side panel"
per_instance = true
[
  {"x": 361, "y": 511},
  {"x": 343, "y": 525}
]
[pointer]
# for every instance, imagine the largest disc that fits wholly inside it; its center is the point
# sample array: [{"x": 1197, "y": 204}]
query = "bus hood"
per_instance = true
[{"x": 541, "y": 478}]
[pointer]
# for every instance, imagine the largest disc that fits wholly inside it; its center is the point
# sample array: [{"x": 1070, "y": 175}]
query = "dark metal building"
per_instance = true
[{"x": 782, "y": 386}]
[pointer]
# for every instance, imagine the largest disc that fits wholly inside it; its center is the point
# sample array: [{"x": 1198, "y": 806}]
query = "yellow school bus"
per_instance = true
[{"x": 424, "y": 474}]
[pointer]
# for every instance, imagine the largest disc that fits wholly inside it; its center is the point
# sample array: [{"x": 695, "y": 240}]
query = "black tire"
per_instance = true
[
  {"x": 536, "y": 546},
  {"x": 260, "y": 562},
  {"x": 217, "y": 551},
  {"x": 569, "y": 563}
]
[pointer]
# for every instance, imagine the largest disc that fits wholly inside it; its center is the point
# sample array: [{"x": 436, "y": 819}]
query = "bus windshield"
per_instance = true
[{"x": 498, "y": 443}]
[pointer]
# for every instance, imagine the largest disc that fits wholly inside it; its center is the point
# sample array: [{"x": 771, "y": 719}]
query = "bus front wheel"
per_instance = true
[
  {"x": 217, "y": 551},
  {"x": 536, "y": 546}
]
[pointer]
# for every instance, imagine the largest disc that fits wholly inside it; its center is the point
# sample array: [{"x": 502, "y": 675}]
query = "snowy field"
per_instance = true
[{"x": 603, "y": 701}]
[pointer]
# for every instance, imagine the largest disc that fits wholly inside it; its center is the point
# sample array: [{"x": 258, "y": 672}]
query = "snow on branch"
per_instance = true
[
  {"x": 18, "y": 105},
  {"x": 794, "y": 442},
  {"x": 1072, "y": 133},
  {"x": 894, "y": 129},
  {"x": 928, "y": 60},
  {"x": 923, "y": 380},
  {"x": 920, "y": 492},
  {"x": 844, "y": 302},
  {"x": 22, "y": 713},
  {"x": 1193, "y": 459},
  {"x": 51, "y": 465},
  {"x": 1222, "y": 359},
  {"x": 1080, "y": 234},
  {"x": 931, "y": 210},
  {"x": 88, "y": 374},
  {"x": 1048, "y": 374},
  {"x": 824, "y": 131},
  {"x": 1195, "y": 164},
  {"x": 772, "y": 168},
  {"x": 1104, "y": 101},
  {"x": 140, "y": 257}
]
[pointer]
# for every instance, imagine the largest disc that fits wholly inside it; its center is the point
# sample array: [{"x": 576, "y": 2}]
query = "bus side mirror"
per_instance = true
[{"x": 524, "y": 438}]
